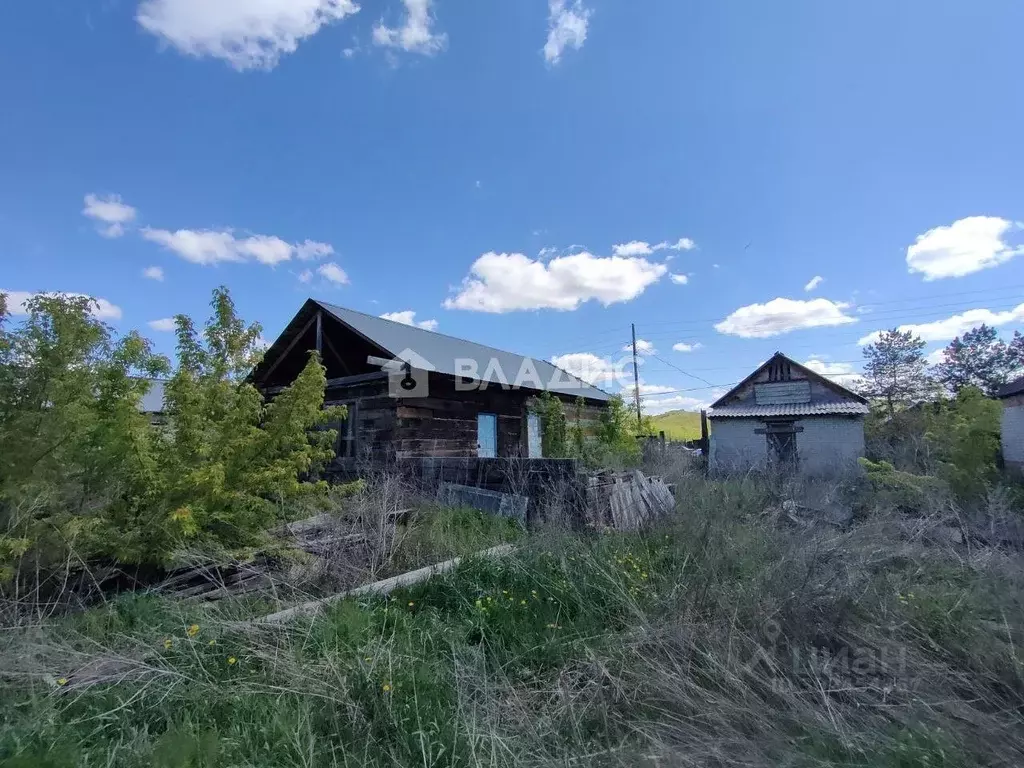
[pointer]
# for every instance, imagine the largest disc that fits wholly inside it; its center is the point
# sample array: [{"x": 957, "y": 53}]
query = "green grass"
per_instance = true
[
  {"x": 678, "y": 425},
  {"x": 602, "y": 649}
]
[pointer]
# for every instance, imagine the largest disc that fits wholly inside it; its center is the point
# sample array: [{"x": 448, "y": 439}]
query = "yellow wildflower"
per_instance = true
[
  {"x": 193, "y": 630},
  {"x": 62, "y": 681},
  {"x": 368, "y": 659},
  {"x": 411, "y": 603},
  {"x": 212, "y": 642},
  {"x": 168, "y": 643},
  {"x": 232, "y": 660},
  {"x": 522, "y": 602},
  {"x": 386, "y": 687}
]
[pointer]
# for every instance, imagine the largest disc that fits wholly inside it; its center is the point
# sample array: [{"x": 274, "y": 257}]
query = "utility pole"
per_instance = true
[{"x": 636, "y": 380}]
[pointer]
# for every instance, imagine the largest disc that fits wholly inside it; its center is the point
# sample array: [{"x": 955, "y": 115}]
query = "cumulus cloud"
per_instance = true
[
  {"x": 163, "y": 325},
  {"x": 247, "y": 34},
  {"x": 643, "y": 347},
  {"x": 415, "y": 35},
  {"x": 779, "y": 316},
  {"x": 955, "y": 325},
  {"x": 17, "y": 303},
  {"x": 567, "y": 28},
  {"x": 507, "y": 282},
  {"x": 593, "y": 369},
  {"x": 110, "y": 213},
  {"x": 332, "y": 272},
  {"x": 657, "y": 405},
  {"x": 651, "y": 389},
  {"x": 814, "y": 282},
  {"x": 965, "y": 246},
  {"x": 154, "y": 273},
  {"x": 841, "y": 373},
  {"x": 679, "y": 279},
  {"x": 684, "y": 347},
  {"x": 213, "y": 247},
  {"x": 408, "y": 317}
]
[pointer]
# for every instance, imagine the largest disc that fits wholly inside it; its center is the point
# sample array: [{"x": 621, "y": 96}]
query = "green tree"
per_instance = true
[
  {"x": 83, "y": 471},
  {"x": 977, "y": 359},
  {"x": 896, "y": 371}
]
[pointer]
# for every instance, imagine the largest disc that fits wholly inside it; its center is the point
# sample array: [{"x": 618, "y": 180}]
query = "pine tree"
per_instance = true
[
  {"x": 978, "y": 359},
  {"x": 896, "y": 371}
]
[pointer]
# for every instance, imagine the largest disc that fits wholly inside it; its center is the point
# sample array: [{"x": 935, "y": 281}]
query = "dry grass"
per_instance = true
[{"x": 726, "y": 637}]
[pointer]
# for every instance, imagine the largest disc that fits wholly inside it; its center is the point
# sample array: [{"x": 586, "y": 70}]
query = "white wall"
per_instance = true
[
  {"x": 734, "y": 445},
  {"x": 827, "y": 445},
  {"x": 1013, "y": 435}
]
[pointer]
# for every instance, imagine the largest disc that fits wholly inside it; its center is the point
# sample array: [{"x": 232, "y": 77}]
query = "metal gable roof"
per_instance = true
[{"x": 442, "y": 352}]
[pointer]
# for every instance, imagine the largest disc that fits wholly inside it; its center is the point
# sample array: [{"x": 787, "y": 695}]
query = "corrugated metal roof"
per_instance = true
[
  {"x": 1015, "y": 387},
  {"x": 442, "y": 352},
  {"x": 840, "y": 408}
]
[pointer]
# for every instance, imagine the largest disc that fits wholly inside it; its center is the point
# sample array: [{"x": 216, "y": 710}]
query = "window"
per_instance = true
[{"x": 345, "y": 446}]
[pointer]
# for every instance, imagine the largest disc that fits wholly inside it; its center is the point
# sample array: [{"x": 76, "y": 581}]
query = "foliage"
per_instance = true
[
  {"x": 904, "y": 490},
  {"x": 980, "y": 359},
  {"x": 611, "y": 441},
  {"x": 896, "y": 371},
  {"x": 719, "y": 639},
  {"x": 966, "y": 435},
  {"x": 83, "y": 471}
]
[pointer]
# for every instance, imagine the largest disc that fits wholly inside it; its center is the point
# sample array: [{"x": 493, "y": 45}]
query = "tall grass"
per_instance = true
[{"x": 719, "y": 638}]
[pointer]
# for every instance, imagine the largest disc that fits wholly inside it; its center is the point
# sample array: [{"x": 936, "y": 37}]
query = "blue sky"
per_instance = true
[{"x": 531, "y": 174}]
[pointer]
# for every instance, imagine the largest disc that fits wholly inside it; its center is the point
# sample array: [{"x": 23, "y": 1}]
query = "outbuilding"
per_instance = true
[
  {"x": 788, "y": 417},
  {"x": 1012, "y": 427}
]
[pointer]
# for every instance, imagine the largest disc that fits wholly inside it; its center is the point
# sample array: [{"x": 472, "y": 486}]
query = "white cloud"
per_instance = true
[
  {"x": 414, "y": 36},
  {"x": 154, "y": 273},
  {"x": 651, "y": 389},
  {"x": 110, "y": 214},
  {"x": 643, "y": 248},
  {"x": 679, "y": 279},
  {"x": 506, "y": 282},
  {"x": 632, "y": 248},
  {"x": 684, "y": 347},
  {"x": 101, "y": 309},
  {"x": 567, "y": 28},
  {"x": 247, "y": 34},
  {"x": 778, "y": 316},
  {"x": 656, "y": 405},
  {"x": 643, "y": 347},
  {"x": 590, "y": 368},
  {"x": 408, "y": 317},
  {"x": 814, "y": 282},
  {"x": 163, "y": 325},
  {"x": 306, "y": 276},
  {"x": 682, "y": 244},
  {"x": 213, "y": 247},
  {"x": 936, "y": 357},
  {"x": 956, "y": 325},
  {"x": 841, "y": 373},
  {"x": 334, "y": 273},
  {"x": 966, "y": 246}
]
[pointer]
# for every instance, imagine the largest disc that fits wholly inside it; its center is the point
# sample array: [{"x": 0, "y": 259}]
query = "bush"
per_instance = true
[{"x": 83, "y": 473}]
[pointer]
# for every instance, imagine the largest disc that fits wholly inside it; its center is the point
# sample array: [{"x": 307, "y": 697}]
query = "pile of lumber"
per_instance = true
[{"x": 626, "y": 501}]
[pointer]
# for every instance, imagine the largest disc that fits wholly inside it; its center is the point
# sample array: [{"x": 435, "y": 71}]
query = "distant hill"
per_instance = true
[{"x": 678, "y": 425}]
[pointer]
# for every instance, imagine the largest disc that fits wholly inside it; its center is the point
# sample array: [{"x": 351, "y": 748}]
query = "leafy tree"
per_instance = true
[
  {"x": 896, "y": 371},
  {"x": 979, "y": 359},
  {"x": 83, "y": 471}
]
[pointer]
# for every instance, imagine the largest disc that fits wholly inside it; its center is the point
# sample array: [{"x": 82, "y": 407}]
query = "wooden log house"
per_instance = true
[{"x": 414, "y": 393}]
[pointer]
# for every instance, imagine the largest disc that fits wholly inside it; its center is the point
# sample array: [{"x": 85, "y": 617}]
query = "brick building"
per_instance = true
[{"x": 787, "y": 416}]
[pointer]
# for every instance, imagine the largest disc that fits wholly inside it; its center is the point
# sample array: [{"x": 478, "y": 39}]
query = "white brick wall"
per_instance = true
[
  {"x": 827, "y": 444},
  {"x": 735, "y": 447},
  {"x": 1013, "y": 434}
]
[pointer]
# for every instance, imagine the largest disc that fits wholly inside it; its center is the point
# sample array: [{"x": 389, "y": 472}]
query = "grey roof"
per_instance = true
[
  {"x": 442, "y": 352},
  {"x": 153, "y": 400},
  {"x": 1014, "y": 387},
  {"x": 838, "y": 408}
]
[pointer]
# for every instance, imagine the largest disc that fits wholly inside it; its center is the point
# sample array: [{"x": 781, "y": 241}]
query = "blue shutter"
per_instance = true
[{"x": 486, "y": 435}]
